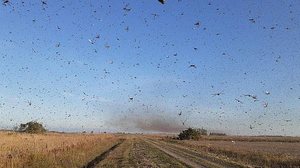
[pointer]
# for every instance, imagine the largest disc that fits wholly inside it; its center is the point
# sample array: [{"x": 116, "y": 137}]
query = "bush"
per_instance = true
[
  {"x": 191, "y": 133},
  {"x": 32, "y": 127}
]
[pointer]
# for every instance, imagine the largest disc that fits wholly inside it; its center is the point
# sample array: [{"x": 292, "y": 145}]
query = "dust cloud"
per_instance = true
[{"x": 148, "y": 123}]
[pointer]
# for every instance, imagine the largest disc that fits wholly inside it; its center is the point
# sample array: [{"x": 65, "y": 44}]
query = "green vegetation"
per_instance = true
[
  {"x": 192, "y": 133},
  {"x": 32, "y": 127},
  {"x": 217, "y": 134}
]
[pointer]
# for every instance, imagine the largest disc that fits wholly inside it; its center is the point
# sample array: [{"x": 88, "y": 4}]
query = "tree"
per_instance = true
[
  {"x": 191, "y": 133},
  {"x": 32, "y": 127}
]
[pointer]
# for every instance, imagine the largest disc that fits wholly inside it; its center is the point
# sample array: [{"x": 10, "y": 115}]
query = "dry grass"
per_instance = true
[
  {"x": 253, "y": 138},
  {"x": 257, "y": 151},
  {"x": 52, "y": 150},
  {"x": 76, "y": 150}
]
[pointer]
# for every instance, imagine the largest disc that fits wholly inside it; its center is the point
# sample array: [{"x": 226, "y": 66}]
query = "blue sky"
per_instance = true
[{"x": 126, "y": 65}]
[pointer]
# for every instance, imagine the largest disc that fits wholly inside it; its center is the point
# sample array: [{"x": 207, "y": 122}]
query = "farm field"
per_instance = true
[
  {"x": 131, "y": 150},
  {"x": 51, "y": 149},
  {"x": 249, "y": 151}
]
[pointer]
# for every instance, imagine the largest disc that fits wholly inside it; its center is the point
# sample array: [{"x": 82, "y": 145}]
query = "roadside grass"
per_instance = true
[
  {"x": 118, "y": 157},
  {"x": 52, "y": 149}
]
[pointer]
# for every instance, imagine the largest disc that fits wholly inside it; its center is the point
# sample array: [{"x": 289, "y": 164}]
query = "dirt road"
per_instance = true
[
  {"x": 146, "y": 152},
  {"x": 191, "y": 157},
  {"x": 134, "y": 152}
]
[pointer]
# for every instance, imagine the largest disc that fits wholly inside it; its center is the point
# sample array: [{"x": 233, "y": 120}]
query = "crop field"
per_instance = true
[
  {"x": 52, "y": 149},
  {"x": 130, "y": 150}
]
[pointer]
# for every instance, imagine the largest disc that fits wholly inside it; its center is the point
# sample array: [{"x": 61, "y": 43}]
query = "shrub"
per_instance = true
[
  {"x": 32, "y": 127},
  {"x": 191, "y": 133}
]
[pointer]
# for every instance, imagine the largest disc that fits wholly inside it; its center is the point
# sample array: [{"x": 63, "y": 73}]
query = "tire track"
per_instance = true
[
  {"x": 101, "y": 157},
  {"x": 189, "y": 157},
  {"x": 178, "y": 157}
]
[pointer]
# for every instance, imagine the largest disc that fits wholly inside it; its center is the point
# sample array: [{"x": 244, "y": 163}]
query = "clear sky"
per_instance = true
[{"x": 145, "y": 66}]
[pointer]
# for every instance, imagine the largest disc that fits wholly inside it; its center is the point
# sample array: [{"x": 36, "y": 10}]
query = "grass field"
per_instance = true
[
  {"x": 130, "y": 150},
  {"x": 51, "y": 150}
]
